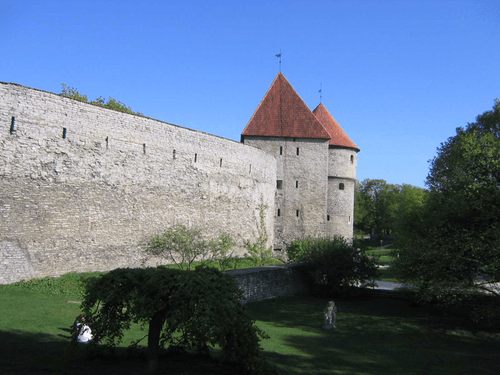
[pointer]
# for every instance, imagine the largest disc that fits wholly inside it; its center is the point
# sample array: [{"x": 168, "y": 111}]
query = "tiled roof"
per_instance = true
[
  {"x": 282, "y": 113},
  {"x": 337, "y": 136}
]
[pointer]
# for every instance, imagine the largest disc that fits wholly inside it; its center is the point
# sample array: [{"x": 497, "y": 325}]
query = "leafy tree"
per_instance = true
[
  {"x": 452, "y": 243},
  {"x": 334, "y": 264},
  {"x": 197, "y": 310},
  {"x": 112, "y": 103}
]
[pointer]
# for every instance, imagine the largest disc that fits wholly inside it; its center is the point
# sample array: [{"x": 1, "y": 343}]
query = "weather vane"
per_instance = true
[
  {"x": 279, "y": 56},
  {"x": 320, "y": 94}
]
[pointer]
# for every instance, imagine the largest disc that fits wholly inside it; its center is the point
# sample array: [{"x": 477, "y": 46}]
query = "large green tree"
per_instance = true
[
  {"x": 197, "y": 309},
  {"x": 452, "y": 242}
]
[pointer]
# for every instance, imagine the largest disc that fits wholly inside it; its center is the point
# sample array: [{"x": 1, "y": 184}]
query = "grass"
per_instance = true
[{"x": 374, "y": 336}]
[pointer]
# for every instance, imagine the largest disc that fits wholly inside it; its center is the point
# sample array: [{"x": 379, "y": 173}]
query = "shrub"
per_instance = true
[{"x": 333, "y": 264}]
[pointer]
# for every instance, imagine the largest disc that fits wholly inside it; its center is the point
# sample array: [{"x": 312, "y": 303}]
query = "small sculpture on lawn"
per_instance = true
[{"x": 330, "y": 313}]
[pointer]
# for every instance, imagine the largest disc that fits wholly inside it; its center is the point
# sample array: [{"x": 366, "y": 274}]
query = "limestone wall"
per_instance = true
[
  {"x": 81, "y": 185},
  {"x": 302, "y": 196}
]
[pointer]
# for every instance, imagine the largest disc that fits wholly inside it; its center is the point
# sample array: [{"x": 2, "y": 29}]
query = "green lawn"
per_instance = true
[{"x": 374, "y": 336}]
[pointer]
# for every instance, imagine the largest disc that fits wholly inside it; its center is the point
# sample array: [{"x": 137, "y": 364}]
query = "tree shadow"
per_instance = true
[{"x": 374, "y": 336}]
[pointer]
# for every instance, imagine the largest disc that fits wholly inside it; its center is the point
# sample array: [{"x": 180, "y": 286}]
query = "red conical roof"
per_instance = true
[
  {"x": 337, "y": 135},
  {"x": 282, "y": 113}
]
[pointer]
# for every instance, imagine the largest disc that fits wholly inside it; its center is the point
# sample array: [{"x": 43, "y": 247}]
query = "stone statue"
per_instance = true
[{"x": 330, "y": 313}]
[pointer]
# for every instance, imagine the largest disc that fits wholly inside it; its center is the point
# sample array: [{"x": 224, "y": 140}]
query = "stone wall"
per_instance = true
[
  {"x": 261, "y": 283},
  {"x": 81, "y": 185}
]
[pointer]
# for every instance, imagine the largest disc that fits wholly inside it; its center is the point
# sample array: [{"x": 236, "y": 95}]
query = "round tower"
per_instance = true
[{"x": 342, "y": 162}]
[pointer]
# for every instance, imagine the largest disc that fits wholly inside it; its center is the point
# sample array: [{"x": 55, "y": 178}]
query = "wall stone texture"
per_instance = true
[{"x": 81, "y": 186}]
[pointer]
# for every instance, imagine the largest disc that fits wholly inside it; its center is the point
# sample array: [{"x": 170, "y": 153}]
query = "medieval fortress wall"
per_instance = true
[{"x": 81, "y": 185}]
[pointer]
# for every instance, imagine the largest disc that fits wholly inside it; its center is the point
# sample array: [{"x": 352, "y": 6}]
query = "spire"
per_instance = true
[
  {"x": 337, "y": 135},
  {"x": 282, "y": 113}
]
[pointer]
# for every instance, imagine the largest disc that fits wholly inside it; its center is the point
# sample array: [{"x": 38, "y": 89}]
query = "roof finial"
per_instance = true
[
  {"x": 279, "y": 56},
  {"x": 320, "y": 94}
]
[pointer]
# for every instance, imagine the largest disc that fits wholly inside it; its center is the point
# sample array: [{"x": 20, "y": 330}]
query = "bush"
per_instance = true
[{"x": 334, "y": 264}]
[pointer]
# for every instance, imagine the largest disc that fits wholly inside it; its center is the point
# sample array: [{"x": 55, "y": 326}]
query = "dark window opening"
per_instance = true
[
  {"x": 144, "y": 148},
  {"x": 279, "y": 184},
  {"x": 279, "y": 212},
  {"x": 250, "y": 169},
  {"x": 220, "y": 164},
  {"x": 297, "y": 151},
  {"x": 341, "y": 186},
  {"x": 107, "y": 142},
  {"x": 352, "y": 158},
  {"x": 13, "y": 125},
  {"x": 174, "y": 155},
  {"x": 327, "y": 217},
  {"x": 281, "y": 150},
  {"x": 195, "y": 157},
  {"x": 296, "y": 184},
  {"x": 297, "y": 213},
  {"x": 277, "y": 249},
  {"x": 64, "y": 133}
]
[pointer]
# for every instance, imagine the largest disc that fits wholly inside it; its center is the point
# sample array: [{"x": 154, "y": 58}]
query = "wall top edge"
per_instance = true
[{"x": 124, "y": 113}]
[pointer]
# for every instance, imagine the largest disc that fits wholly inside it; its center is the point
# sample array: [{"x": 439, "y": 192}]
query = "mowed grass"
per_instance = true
[{"x": 373, "y": 336}]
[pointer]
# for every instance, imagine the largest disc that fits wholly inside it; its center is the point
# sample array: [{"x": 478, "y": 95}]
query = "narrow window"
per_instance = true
[
  {"x": 195, "y": 157},
  {"x": 296, "y": 184},
  {"x": 107, "y": 143},
  {"x": 341, "y": 186},
  {"x": 349, "y": 219},
  {"x": 279, "y": 184},
  {"x": 327, "y": 217},
  {"x": 250, "y": 169},
  {"x": 64, "y": 133},
  {"x": 13, "y": 125},
  {"x": 297, "y": 213},
  {"x": 281, "y": 148},
  {"x": 297, "y": 151},
  {"x": 352, "y": 159},
  {"x": 144, "y": 148},
  {"x": 174, "y": 155},
  {"x": 277, "y": 249},
  {"x": 279, "y": 212},
  {"x": 220, "y": 164},
  {"x": 294, "y": 139}
]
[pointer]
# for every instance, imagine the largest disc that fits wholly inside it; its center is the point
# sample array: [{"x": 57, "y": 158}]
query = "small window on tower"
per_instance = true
[
  {"x": 281, "y": 150},
  {"x": 327, "y": 217},
  {"x": 279, "y": 212},
  {"x": 279, "y": 184},
  {"x": 341, "y": 186},
  {"x": 297, "y": 151},
  {"x": 296, "y": 184},
  {"x": 297, "y": 213},
  {"x": 352, "y": 159}
]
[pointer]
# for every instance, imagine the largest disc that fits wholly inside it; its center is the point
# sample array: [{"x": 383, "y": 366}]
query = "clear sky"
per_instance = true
[{"x": 398, "y": 76}]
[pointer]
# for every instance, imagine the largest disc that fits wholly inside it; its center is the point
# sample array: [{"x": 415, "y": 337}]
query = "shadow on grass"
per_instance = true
[{"x": 374, "y": 336}]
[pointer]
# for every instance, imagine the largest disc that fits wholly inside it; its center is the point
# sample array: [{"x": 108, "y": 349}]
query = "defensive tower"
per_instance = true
[{"x": 316, "y": 165}]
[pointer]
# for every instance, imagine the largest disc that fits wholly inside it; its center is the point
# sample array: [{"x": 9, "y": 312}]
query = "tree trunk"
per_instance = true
[{"x": 155, "y": 326}]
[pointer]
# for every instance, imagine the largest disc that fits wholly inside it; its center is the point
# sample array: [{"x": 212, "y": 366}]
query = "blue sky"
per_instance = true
[{"x": 398, "y": 76}]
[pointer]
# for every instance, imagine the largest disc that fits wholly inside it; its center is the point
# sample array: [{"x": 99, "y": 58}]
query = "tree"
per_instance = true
[
  {"x": 112, "y": 103},
  {"x": 452, "y": 242},
  {"x": 197, "y": 309},
  {"x": 334, "y": 264}
]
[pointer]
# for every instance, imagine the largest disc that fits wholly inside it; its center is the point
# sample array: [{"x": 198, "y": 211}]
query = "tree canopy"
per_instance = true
[
  {"x": 452, "y": 241},
  {"x": 193, "y": 309}
]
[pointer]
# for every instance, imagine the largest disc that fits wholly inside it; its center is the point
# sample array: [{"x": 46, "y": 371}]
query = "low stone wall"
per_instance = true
[{"x": 262, "y": 283}]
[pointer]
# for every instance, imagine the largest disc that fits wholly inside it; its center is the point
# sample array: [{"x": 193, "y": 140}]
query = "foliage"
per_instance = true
[
  {"x": 452, "y": 241},
  {"x": 180, "y": 245},
  {"x": 187, "y": 247},
  {"x": 258, "y": 252},
  {"x": 334, "y": 264},
  {"x": 197, "y": 309},
  {"x": 111, "y": 103},
  {"x": 379, "y": 204}
]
